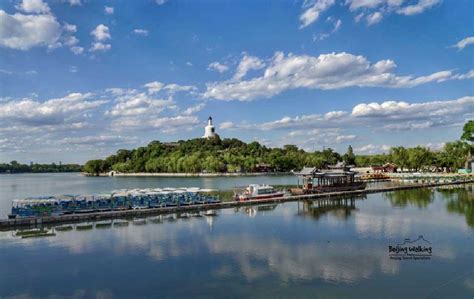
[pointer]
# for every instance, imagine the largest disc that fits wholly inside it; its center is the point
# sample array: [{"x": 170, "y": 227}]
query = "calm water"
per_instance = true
[
  {"x": 24, "y": 185},
  {"x": 292, "y": 250}
]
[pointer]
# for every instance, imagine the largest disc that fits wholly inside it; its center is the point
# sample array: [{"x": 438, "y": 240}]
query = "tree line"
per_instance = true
[
  {"x": 232, "y": 155},
  {"x": 15, "y": 167}
]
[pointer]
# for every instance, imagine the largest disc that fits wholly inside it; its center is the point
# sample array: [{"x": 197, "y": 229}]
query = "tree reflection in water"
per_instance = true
[
  {"x": 460, "y": 200},
  {"x": 420, "y": 198},
  {"x": 341, "y": 207}
]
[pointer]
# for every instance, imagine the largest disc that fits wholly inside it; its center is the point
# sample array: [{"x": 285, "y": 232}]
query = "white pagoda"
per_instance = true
[{"x": 209, "y": 130}]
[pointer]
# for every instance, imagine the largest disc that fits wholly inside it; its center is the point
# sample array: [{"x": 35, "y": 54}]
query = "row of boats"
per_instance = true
[
  {"x": 117, "y": 200},
  {"x": 125, "y": 199}
]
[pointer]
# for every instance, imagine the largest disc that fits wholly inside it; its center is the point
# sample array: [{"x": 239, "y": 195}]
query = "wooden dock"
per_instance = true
[{"x": 39, "y": 221}]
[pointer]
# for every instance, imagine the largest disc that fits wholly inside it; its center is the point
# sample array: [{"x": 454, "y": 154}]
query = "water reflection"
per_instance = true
[
  {"x": 341, "y": 208},
  {"x": 420, "y": 198},
  {"x": 270, "y": 245},
  {"x": 460, "y": 200}
]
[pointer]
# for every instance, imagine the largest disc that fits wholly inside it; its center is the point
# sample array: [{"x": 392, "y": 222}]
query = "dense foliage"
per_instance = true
[
  {"x": 452, "y": 157},
  {"x": 15, "y": 167},
  {"x": 210, "y": 155},
  {"x": 232, "y": 155}
]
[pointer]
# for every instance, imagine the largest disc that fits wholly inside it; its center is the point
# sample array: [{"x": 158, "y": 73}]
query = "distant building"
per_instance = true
[
  {"x": 209, "y": 130},
  {"x": 262, "y": 167},
  {"x": 388, "y": 167}
]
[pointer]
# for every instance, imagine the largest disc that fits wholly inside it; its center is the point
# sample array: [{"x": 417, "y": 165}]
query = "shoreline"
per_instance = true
[
  {"x": 187, "y": 174},
  {"x": 40, "y": 221}
]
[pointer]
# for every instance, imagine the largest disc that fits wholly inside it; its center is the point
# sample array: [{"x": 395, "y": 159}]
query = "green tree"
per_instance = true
[
  {"x": 349, "y": 156},
  {"x": 94, "y": 167},
  {"x": 468, "y": 131},
  {"x": 399, "y": 156},
  {"x": 454, "y": 154},
  {"x": 419, "y": 157}
]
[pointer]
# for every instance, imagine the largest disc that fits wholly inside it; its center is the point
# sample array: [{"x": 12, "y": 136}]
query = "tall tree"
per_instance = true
[
  {"x": 349, "y": 156},
  {"x": 468, "y": 131}
]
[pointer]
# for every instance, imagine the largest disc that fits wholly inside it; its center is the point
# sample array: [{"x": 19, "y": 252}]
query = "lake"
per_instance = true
[
  {"x": 291, "y": 250},
  {"x": 39, "y": 184}
]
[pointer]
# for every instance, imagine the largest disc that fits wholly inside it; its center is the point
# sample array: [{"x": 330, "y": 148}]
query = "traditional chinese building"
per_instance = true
[{"x": 337, "y": 177}]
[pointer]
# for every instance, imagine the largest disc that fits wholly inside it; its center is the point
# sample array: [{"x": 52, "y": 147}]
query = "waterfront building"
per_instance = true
[
  {"x": 334, "y": 178},
  {"x": 387, "y": 167}
]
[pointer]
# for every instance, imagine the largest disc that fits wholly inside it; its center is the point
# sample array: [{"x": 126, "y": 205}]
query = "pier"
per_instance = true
[{"x": 39, "y": 221}]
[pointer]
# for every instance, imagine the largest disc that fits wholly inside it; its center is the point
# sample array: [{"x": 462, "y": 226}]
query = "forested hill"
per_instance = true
[
  {"x": 210, "y": 155},
  {"x": 232, "y": 155}
]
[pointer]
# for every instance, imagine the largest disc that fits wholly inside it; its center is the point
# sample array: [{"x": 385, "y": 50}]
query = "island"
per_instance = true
[{"x": 215, "y": 156}]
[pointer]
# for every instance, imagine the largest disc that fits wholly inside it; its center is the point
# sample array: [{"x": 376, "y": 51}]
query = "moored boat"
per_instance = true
[
  {"x": 255, "y": 191},
  {"x": 336, "y": 178}
]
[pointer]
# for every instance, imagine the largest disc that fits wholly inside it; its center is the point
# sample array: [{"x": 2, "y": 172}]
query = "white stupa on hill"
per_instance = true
[{"x": 209, "y": 130}]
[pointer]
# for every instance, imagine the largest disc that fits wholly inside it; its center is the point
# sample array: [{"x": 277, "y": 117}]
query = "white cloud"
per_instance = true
[
  {"x": 77, "y": 50},
  {"x": 154, "y": 87},
  {"x": 358, "y": 4},
  {"x": 141, "y": 32},
  {"x": 74, "y": 2},
  {"x": 70, "y": 41},
  {"x": 160, "y": 2},
  {"x": 226, "y": 125},
  {"x": 464, "y": 42},
  {"x": 134, "y": 110},
  {"x": 23, "y": 32},
  {"x": 387, "y": 115},
  {"x": 70, "y": 27},
  {"x": 173, "y": 88},
  {"x": 193, "y": 109},
  {"x": 468, "y": 75},
  {"x": 394, "y": 110},
  {"x": 344, "y": 138},
  {"x": 101, "y": 33},
  {"x": 372, "y": 149},
  {"x": 326, "y": 71},
  {"x": 312, "y": 11},
  {"x": 108, "y": 10},
  {"x": 359, "y": 17},
  {"x": 50, "y": 112},
  {"x": 33, "y": 6},
  {"x": 375, "y": 10},
  {"x": 374, "y": 18},
  {"x": 138, "y": 104},
  {"x": 246, "y": 64},
  {"x": 166, "y": 125},
  {"x": 217, "y": 66},
  {"x": 418, "y": 8},
  {"x": 98, "y": 46}
]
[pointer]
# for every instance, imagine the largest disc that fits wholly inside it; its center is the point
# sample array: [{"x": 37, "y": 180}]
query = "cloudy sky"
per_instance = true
[{"x": 80, "y": 79}]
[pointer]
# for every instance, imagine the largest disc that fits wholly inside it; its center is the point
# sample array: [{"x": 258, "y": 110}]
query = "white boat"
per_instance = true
[{"x": 254, "y": 191}]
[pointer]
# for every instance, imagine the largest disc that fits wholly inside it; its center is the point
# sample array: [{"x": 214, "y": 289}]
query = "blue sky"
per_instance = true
[{"x": 80, "y": 79}]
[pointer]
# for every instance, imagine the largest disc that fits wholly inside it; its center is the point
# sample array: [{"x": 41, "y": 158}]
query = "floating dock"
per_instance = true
[{"x": 39, "y": 221}]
